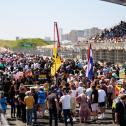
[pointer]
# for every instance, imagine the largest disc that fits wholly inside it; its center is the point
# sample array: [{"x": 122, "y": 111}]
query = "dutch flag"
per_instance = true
[{"x": 89, "y": 71}]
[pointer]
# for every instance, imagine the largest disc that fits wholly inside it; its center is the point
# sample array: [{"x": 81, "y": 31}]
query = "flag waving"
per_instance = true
[
  {"x": 56, "y": 58},
  {"x": 56, "y": 62},
  {"x": 89, "y": 71}
]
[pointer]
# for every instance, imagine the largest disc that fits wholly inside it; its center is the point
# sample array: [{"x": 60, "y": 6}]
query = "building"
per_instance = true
[
  {"x": 77, "y": 35},
  {"x": 47, "y": 38},
  {"x": 107, "y": 51},
  {"x": 64, "y": 37},
  {"x": 60, "y": 33},
  {"x": 91, "y": 32}
]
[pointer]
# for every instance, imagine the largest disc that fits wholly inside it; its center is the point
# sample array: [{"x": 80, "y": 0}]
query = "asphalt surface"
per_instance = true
[{"x": 107, "y": 121}]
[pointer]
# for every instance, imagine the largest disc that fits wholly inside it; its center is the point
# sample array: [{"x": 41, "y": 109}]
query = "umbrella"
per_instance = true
[
  {"x": 115, "y": 75},
  {"x": 124, "y": 65},
  {"x": 2, "y": 66}
]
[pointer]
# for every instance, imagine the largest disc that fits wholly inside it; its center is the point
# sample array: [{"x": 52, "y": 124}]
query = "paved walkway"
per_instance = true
[{"x": 45, "y": 122}]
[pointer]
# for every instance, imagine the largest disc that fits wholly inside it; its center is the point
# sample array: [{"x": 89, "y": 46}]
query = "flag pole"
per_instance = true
[
  {"x": 55, "y": 43},
  {"x": 56, "y": 59}
]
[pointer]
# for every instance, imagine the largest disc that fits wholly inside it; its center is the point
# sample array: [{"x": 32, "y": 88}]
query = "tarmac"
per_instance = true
[{"x": 107, "y": 121}]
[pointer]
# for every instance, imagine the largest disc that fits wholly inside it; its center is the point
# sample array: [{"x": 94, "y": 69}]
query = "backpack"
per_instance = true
[{"x": 115, "y": 101}]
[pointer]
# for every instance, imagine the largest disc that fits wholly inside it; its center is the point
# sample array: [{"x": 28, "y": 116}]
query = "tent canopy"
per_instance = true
[{"x": 121, "y": 2}]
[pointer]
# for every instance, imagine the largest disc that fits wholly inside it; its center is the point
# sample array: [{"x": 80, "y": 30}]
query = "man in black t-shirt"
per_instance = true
[
  {"x": 94, "y": 101},
  {"x": 35, "y": 95},
  {"x": 22, "y": 105},
  {"x": 120, "y": 111},
  {"x": 52, "y": 105}
]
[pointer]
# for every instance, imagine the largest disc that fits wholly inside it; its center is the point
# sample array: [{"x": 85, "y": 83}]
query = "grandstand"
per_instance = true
[
  {"x": 109, "y": 46},
  {"x": 115, "y": 33}
]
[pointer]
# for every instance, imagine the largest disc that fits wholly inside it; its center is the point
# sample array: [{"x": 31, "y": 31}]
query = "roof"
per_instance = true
[{"x": 121, "y": 2}]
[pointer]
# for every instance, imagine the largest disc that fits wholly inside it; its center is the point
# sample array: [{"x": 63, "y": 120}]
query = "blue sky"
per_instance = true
[{"x": 34, "y": 18}]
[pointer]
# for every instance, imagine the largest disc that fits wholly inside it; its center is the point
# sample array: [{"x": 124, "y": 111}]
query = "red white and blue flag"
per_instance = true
[{"x": 89, "y": 71}]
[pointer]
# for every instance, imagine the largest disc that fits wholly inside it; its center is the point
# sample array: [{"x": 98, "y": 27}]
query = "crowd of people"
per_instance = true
[
  {"x": 30, "y": 90},
  {"x": 116, "y": 33}
]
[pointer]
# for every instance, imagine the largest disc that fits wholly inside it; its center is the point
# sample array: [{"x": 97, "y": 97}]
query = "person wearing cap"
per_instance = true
[
  {"x": 120, "y": 111},
  {"x": 29, "y": 102}
]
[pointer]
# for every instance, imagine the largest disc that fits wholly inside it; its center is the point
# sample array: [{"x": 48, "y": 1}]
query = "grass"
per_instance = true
[{"x": 23, "y": 43}]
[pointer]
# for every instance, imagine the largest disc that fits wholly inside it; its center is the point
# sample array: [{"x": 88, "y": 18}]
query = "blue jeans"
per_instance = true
[
  {"x": 35, "y": 113},
  {"x": 67, "y": 114},
  {"x": 29, "y": 116}
]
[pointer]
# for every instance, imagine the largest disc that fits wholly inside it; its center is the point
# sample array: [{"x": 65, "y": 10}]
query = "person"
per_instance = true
[
  {"x": 89, "y": 91},
  {"x": 3, "y": 103},
  {"x": 101, "y": 101},
  {"x": 41, "y": 99},
  {"x": 94, "y": 101},
  {"x": 123, "y": 89},
  {"x": 35, "y": 95},
  {"x": 52, "y": 105},
  {"x": 117, "y": 70},
  {"x": 73, "y": 101},
  {"x": 22, "y": 106},
  {"x": 66, "y": 106},
  {"x": 110, "y": 92},
  {"x": 120, "y": 111},
  {"x": 80, "y": 89},
  {"x": 115, "y": 101},
  {"x": 12, "y": 100},
  {"x": 17, "y": 105},
  {"x": 59, "y": 94},
  {"x": 29, "y": 101},
  {"x": 103, "y": 82},
  {"x": 125, "y": 71},
  {"x": 84, "y": 107}
]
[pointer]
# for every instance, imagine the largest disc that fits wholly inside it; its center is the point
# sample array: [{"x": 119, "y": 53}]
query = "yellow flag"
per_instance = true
[{"x": 56, "y": 62}]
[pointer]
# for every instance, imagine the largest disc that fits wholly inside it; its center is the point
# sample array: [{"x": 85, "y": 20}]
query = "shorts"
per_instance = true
[
  {"x": 101, "y": 104},
  {"x": 94, "y": 107}
]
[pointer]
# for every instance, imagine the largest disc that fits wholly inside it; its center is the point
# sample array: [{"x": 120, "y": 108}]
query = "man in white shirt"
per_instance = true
[
  {"x": 66, "y": 100},
  {"x": 80, "y": 88},
  {"x": 101, "y": 101}
]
